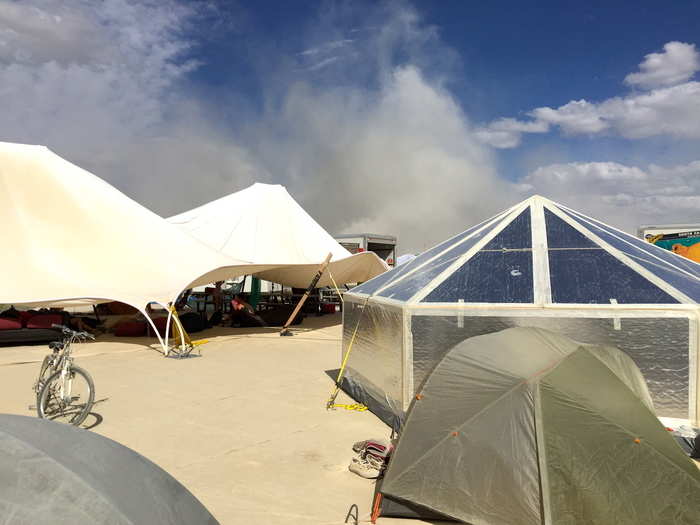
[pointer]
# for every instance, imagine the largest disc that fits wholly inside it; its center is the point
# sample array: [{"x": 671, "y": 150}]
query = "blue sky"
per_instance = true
[{"x": 411, "y": 118}]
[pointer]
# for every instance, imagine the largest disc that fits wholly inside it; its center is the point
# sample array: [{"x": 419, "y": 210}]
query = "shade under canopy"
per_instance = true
[{"x": 265, "y": 225}]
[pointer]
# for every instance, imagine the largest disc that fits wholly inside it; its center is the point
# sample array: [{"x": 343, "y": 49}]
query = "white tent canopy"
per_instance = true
[
  {"x": 265, "y": 225},
  {"x": 69, "y": 237}
]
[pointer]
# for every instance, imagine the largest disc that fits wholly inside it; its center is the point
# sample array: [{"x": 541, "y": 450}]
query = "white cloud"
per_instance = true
[
  {"x": 671, "y": 109},
  {"x": 506, "y": 132},
  {"x": 624, "y": 196},
  {"x": 578, "y": 116},
  {"x": 102, "y": 84},
  {"x": 677, "y": 63}
]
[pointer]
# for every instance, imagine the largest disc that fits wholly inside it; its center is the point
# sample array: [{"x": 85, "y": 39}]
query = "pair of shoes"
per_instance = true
[
  {"x": 382, "y": 446},
  {"x": 360, "y": 445},
  {"x": 363, "y": 468},
  {"x": 374, "y": 461}
]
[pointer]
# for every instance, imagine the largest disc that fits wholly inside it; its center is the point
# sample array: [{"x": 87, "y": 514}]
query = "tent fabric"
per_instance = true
[
  {"x": 53, "y": 473},
  {"x": 538, "y": 264},
  {"x": 70, "y": 238},
  {"x": 265, "y": 225},
  {"x": 525, "y": 427}
]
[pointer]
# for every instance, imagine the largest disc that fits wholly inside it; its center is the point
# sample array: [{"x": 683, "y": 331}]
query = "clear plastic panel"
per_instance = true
[
  {"x": 489, "y": 277},
  {"x": 596, "y": 277},
  {"x": 659, "y": 346},
  {"x": 378, "y": 282},
  {"x": 517, "y": 235},
  {"x": 408, "y": 287},
  {"x": 633, "y": 246},
  {"x": 376, "y": 356},
  {"x": 561, "y": 235},
  {"x": 668, "y": 266},
  {"x": 404, "y": 290}
]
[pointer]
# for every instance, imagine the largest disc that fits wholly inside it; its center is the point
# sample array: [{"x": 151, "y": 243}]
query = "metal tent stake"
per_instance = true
[{"x": 285, "y": 329}]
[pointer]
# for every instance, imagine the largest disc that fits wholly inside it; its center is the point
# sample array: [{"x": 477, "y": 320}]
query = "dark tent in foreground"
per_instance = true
[
  {"x": 52, "y": 473},
  {"x": 527, "y": 427}
]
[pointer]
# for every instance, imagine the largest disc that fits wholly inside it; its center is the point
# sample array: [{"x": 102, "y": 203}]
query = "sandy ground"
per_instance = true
[{"x": 244, "y": 427}]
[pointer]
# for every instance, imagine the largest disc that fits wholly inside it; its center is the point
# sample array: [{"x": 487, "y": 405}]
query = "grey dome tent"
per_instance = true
[
  {"x": 52, "y": 473},
  {"x": 536, "y": 264},
  {"x": 527, "y": 427}
]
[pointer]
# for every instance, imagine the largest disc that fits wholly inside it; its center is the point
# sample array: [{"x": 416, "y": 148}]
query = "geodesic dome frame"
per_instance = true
[{"x": 536, "y": 264}]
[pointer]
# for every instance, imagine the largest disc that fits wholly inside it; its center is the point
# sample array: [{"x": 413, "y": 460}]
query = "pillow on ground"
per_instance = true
[
  {"x": 10, "y": 324},
  {"x": 130, "y": 329}
]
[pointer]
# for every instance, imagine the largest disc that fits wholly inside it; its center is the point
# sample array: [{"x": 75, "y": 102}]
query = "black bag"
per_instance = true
[{"x": 215, "y": 318}]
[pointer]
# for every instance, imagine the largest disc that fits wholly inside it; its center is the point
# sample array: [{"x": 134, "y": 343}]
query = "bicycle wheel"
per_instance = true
[{"x": 73, "y": 404}]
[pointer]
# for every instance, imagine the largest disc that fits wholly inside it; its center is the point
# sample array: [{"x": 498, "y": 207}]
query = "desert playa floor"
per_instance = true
[{"x": 244, "y": 427}]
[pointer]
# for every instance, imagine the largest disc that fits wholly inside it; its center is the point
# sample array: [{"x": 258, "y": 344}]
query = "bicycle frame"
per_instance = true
[{"x": 62, "y": 360}]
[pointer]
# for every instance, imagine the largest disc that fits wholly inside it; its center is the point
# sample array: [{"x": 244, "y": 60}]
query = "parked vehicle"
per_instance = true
[
  {"x": 383, "y": 245},
  {"x": 681, "y": 239}
]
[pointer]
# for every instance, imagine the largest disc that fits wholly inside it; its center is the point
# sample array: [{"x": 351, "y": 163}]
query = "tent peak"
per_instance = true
[{"x": 538, "y": 199}]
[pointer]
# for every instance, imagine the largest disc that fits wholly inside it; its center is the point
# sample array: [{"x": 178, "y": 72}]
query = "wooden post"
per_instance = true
[{"x": 285, "y": 329}]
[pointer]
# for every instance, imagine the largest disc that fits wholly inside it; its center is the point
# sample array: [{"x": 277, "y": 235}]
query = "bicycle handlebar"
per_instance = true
[{"x": 73, "y": 333}]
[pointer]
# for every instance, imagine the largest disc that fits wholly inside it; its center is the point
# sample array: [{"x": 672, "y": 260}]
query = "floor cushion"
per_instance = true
[
  {"x": 130, "y": 328},
  {"x": 7, "y": 323},
  {"x": 44, "y": 320}
]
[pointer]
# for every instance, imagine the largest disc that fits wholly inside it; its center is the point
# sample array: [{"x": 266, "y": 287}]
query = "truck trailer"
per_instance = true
[
  {"x": 681, "y": 239},
  {"x": 383, "y": 245}
]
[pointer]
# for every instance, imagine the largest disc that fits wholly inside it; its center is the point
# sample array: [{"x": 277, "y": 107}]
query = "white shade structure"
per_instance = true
[
  {"x": 71, "y": 238},
  {"x": 265, "y": 225}
]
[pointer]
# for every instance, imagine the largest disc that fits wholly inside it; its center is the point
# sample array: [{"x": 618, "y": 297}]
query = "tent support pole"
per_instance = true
[
  {"x": 163, "y": 345},
  {"x": 285, "y": 329},
  {"x": 167, "y": 327}
]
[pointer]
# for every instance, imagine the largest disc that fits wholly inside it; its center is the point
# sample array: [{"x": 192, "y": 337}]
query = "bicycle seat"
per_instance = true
[{"x": 56, "y": 345}]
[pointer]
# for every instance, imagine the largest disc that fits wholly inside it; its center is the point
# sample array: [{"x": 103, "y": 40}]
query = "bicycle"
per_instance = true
[{"x": 61, "y": 385}]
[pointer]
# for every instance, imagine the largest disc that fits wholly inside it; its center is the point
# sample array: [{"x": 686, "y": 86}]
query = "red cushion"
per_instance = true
[
  {"x": 24, "y": 317},
  {"x": 9, "y": 324},
  {"x": 160, "y": 323},
  {"x": 130, "y": 329},
  {"x": 44, "y": 320}
]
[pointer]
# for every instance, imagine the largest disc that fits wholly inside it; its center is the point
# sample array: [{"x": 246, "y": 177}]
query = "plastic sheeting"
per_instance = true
[
  {"x": 376, "y": 357},
  {"x": 541, "y": 264},
  {"x": 372, "y": 286},
  {"x": 526, "y": 427},
  {"x": 658, "y": 346}
]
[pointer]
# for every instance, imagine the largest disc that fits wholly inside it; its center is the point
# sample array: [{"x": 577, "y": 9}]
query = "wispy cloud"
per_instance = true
[
  {"x": 329, "y": 46},
  {"x": 323, "y": 63}
]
